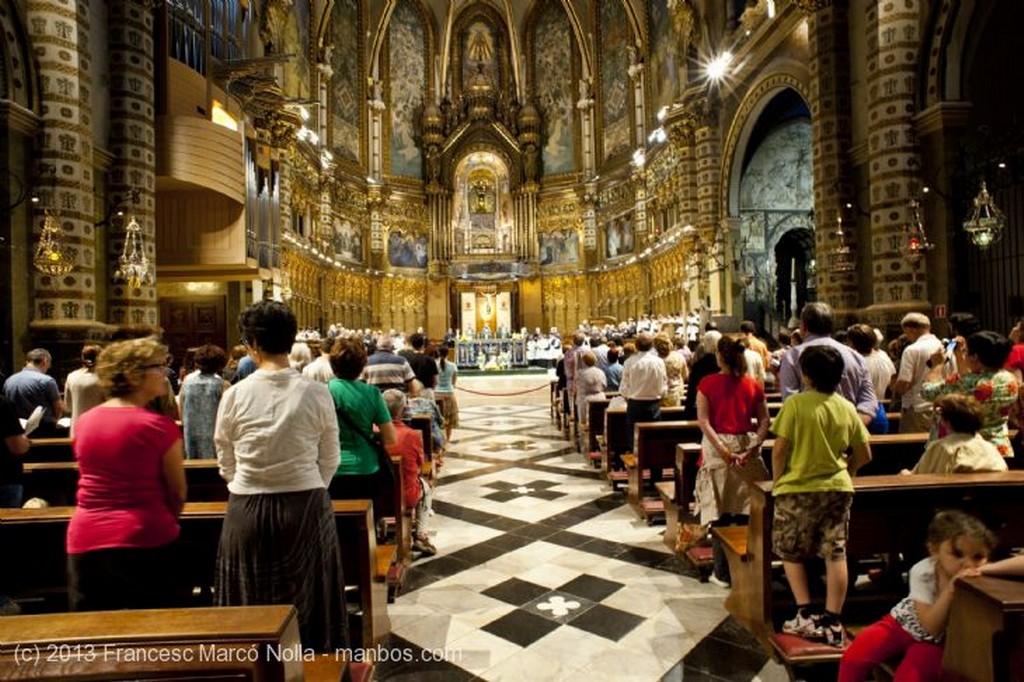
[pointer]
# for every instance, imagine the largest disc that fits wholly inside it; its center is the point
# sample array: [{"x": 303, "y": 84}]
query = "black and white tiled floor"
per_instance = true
[{"x": 543, "y": 573}]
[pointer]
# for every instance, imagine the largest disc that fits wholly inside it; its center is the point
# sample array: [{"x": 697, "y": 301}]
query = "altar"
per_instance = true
[{"x": 490, "y": 353}]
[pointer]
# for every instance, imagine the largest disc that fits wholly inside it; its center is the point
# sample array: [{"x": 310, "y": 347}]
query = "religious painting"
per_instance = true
[
  {"x": 407, "y": 251},
  {"x": 552, "y": 60},
  {"x": 407, "y": 82},
  {"x": 346, "y": 99},
  {"x": 615, "y": 43},
  {"x": 480, "y": 53},
  {"x": 348, "y": 241},
  {"x": 780, "y": 175},
  {"x": 668, "y": 51},
  {"x": 296, "y": 38},
  {"x": 618, "y": 236},
  {"x": 561, "y": 247}
]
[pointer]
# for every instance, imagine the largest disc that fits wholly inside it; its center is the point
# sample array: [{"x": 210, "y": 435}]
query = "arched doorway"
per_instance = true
[
  {"x": 775, "y": 201},
  {"x": 794, "y": 274}
]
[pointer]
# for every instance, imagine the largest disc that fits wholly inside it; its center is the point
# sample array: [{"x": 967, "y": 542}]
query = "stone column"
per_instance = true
[
  {"x": 585, "y": 104},
  {"x": 64, "y": 307},
  {"x": 893, "y": 45},
  {"x": 132, "y": 142},
  {"x": 828, "y": 31},
  {"x": 707, "y": 154}
]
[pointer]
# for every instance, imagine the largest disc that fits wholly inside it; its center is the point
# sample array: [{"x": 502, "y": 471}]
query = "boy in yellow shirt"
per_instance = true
[{"x": 813, "y": 489}]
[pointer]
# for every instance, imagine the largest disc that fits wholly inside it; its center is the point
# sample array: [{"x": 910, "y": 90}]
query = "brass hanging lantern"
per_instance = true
[{"x": 52, "y": 255}]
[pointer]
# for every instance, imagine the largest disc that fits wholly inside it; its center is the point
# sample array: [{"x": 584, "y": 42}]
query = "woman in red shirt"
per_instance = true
[
  {"x": 728, "y": 403},
  {"x": 131, "y": 487}
]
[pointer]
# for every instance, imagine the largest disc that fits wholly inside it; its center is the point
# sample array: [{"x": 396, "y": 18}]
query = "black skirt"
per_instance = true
[{"x": 283, "y": 549}]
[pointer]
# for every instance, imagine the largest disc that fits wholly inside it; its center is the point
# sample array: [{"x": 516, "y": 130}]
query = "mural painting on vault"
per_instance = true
[
  {"x": 408, "y": 73},
  {"x": 618, "y": 236},
  {"x": 780, "y": 175},
  {"x": 296, "y": 78},
  {"x": 346, "y": 103},
  {"x": 348, "y": 241},
  {"x": 552, "y": 54},
  {"x": 407, "y": 251},
  {"x": 561, "y": 247},
  {"x": 479, "y": 53},
  {"x": 668, "y": 51},
  {"x": 615, "y": 82}
]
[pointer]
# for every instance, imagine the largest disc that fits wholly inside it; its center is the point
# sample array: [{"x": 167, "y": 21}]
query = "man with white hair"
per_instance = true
[
  {"x": 384, "y": 369},
  {"x": 915, "y": 364}
]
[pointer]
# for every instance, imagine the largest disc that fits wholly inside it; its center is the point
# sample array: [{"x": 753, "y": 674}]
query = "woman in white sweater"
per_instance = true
[{"x": 277, "y": 447}]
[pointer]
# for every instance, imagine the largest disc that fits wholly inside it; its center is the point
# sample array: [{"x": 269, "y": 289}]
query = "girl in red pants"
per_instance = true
[{"x": 957, "y": 545}]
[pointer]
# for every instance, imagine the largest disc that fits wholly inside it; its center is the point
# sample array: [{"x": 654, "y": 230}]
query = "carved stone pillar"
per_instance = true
[
  {"x": 707, "y": 157},
  {"x": 64, "y": 307},
  {"x": 132, "y": 142},
  {"x": 375, "y": 203},
  {"x": 585, "y": 105},
  {"x": 589, "y": 210},
  {"x": 376, "y": 141},
  {"x": 893, "y": 46},
  {"x": 828, "y": 31}
]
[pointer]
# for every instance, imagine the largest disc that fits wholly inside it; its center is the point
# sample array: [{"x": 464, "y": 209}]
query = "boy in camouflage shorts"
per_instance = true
[{"x": 813, "y": 489}]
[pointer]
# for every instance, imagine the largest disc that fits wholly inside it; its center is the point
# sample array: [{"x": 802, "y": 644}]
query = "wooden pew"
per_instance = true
[
  {"x": 617, "y": 441},
  {"x": 39, "y": 575},
  {"x": 247, "y": 643},
  {"x": 653, "y": 455},
  {"x": 49, "y": 450},
  {"x": 985, "y": 631},
  {"x": 994, "y": 497},
  {"x": 422, "y": 424},
  {"x": 54, "y": 477}
]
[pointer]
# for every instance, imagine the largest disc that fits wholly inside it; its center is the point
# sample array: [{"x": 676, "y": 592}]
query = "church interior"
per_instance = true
[
  {"x": 507, "y": 164},
  {"x": 382, "y": 164}
]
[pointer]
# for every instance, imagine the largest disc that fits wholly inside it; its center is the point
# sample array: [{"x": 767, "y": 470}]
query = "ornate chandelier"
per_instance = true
[
  {"x": 841, "y": 257},
  {"x": 915, "y": 244},
  {"x": 135, "y": 269},
  {"x": 986, "y": 222},
  {"x": 52, "y": 255}
]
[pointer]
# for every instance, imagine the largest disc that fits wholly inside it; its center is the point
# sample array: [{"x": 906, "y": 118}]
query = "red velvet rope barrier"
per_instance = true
[{"x": 505, "y": 395}]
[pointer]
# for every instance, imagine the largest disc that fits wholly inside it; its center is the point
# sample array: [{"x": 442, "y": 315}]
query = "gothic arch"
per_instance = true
[
  {"x": 17, "y": 73},
  {"x": 502, "y": 31},
  {"x": 792, "y": 76},
  {"x": 380, "y": 35}
]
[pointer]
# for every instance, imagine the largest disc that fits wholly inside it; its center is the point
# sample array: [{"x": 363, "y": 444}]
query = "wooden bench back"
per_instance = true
[
  {"x": 41, "y": 566},
  {"x": 890, "y": 516},
  {"x": 617, "y": 439},
  {"x": 250, "y": 643}
]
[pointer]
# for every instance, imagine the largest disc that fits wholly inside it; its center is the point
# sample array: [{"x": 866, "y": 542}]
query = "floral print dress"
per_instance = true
[{"x": 997, "y": 394}]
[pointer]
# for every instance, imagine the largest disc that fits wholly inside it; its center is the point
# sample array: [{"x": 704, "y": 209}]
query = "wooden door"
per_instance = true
[{"x": 193, "y": 321}]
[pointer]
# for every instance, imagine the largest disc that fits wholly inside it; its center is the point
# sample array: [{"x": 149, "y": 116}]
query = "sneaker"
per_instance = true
[
  {"x": 834, "y": 635},
  {"x": 803, "y": 626},
  {"x": 715, "y": 580}
]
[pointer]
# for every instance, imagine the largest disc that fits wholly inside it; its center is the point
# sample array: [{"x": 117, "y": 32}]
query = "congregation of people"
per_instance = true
[
  {"x": 833, "y": 385},
  {"x": 289, "y": 432},
  {"x": 295, "y": 420}
]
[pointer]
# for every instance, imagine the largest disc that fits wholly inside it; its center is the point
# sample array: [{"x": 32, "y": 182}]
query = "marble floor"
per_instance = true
[{"x": 544, "y": 573}]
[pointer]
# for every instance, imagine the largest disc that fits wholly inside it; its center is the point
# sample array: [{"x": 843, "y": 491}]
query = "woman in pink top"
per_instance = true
[
  {"x": 131, "y": 487},
  {"x": 728, "y": 403}
]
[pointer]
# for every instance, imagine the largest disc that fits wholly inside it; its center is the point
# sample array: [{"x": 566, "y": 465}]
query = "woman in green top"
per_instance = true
[{"x": 359, "y": 406}]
